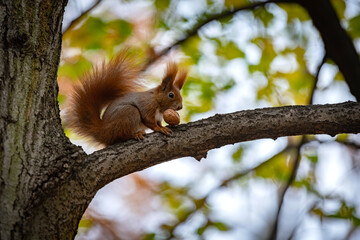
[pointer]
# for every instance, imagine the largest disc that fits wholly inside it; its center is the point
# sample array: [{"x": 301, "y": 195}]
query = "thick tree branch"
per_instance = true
[{"x": 197, "y": 138}]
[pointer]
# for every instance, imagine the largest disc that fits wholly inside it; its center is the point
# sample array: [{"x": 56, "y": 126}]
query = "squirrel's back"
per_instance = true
[{"x": 96, "y": 90}]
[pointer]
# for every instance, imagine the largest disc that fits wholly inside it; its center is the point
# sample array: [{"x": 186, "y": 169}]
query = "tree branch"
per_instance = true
[
  {"x": 283, "y": 190},
  {"x": 198, "y": 26},
  {"x": 81, "y": 16},
  {"x": 87, "y": 174},
  {"x": 197, "y": 138},
  {"x": 338, "y": 44}
]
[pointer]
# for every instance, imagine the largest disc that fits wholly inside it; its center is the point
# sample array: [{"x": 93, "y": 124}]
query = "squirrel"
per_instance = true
[{"x": 109, "y": 107}]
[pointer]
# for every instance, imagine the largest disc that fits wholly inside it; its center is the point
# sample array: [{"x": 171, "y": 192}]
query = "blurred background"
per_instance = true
[{"x": 295, "y": 187}]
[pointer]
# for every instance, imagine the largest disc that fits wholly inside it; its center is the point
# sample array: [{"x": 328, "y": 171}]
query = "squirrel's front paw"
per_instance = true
[{"x": 164, "y": 130}]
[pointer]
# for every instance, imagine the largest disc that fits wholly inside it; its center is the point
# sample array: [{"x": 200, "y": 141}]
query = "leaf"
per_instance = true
[
  {"x": 318, "y": 212},
  {"x": 149, "y": 236},
  {"x": 294, "y": 11},
  {"x": 339, "y": 76},
  {"x": 354, "y": 26},
  {"x": 339, "y": 6},
  {"x": 267, "y": 56},
  {"x": 312, "y": 158},
  {"x": 235, "y": 3},
  {"x": 238, "y": 154},
  {"x": 263, "y": 15},
  {"x": 96, "y": 33},
  {"x": 85, "y": 223},
  {"x": 200, "y": 231},
  {"x": 220, "y": 226},
  {"x": 230, "y": 51},
  {"x": 162, "y": 4},
  {"x": 61, "y": 98},
  {"x": 122, "y": 28},
  {"x": 342, "y": 137},
  {"x": 90, "y": 34},
  {"x": 277, "y": 168},
  {"x": 74, "y": 67},
  {"x": 191, "y": 48}
]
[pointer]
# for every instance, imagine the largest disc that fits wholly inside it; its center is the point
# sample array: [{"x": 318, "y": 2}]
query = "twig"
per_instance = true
[
  {"x": 77, "y": 20},
  {"x": 273, "y": 234},
  {"x": 200, "y": 25},
  {"x": 317, "y": 78},
  {"x": 202, "y": 201}
]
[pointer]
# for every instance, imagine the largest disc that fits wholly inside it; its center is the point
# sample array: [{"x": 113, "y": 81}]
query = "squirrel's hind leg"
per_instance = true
[{"x": 127, "y": 123}]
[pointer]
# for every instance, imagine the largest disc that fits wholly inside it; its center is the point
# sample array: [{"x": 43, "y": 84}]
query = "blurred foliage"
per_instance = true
[
  {"x": 275, "y": 45},
  {"x": 276, "y": 168},
  {"x": 97, "y": 33}
]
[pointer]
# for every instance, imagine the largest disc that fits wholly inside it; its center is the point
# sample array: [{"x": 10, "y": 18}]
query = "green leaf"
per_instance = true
[
  {"x": 342, "y": 137},
  {"x": 230, "y": 51},
  {"x": 294, "y": 12},
  {"x": 85, "y": 223},
  {"x": 61, "y": 98},
  {"x": 191, "y": 48},
  {"x": 221, "y": 226},
  {"x": 200, "y": 231},
  {"x": 238, "y": 154},
  {"x": 339, "y": 6},
  {"x": 96, "y": 33},
  {"x": 267, "y": 56},
  {"x": 235, "y": 3},
  {"x": 354, "y": 26},
  {"x": 74, "y": 67},
  {"x": 339, "y": 76},
  {"x": 263, "y": 15},
  {"x": 149, "y": 236},
  {"x": 90, "y": 34},
  {"x": 318, "y": 212},
  {"x": 277, "y": 168},
  {"x": 162, "y": 4},
  {"x": 122, "y": 28},
  {"x": 312, "y": 158}
]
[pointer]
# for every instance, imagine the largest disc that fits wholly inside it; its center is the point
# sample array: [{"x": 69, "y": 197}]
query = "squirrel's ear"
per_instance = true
[
  {"x": 169, "y": 77},
  {"x": 180, "y": 80}
]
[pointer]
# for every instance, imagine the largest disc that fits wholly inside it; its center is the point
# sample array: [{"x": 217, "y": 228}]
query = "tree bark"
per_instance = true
[
  {"x": 33, "y": 147},
  {"x": 46, "y": 183}
]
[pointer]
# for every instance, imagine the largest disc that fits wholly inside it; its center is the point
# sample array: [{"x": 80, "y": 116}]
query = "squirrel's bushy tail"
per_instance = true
[{"x": 96, "y": 90}]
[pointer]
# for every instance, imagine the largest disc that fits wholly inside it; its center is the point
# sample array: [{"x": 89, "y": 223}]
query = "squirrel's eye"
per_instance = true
[{"x": 171, "y": 95}]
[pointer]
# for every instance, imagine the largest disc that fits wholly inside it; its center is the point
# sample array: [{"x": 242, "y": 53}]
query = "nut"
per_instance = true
[{"x": 171, "y": 117}]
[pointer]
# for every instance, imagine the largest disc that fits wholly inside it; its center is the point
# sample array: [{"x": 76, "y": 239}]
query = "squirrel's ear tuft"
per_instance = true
[
  {"x": 180, "y": 80},
  {"x": 169, "y": 77}
]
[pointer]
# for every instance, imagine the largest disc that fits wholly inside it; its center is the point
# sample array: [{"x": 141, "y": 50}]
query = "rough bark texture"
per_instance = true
[
  {"x": 197, "y": 138},
  {"x": 46, "y": 182},
  {"x": 33, "y": 148}
]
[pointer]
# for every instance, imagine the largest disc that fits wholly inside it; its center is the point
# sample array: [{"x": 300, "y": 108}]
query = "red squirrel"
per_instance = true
[{"x": 115, "y": 87}]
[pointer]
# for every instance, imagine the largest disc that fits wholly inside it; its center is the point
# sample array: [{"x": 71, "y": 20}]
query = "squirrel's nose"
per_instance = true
[{"x": 179, "y": 107}]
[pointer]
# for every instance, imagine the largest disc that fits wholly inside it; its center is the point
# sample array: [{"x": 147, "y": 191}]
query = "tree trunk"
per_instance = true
[
  {"x": 46, "y": 183},
  {"x": 33, "y": 147}
]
